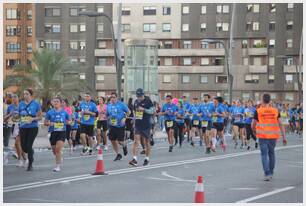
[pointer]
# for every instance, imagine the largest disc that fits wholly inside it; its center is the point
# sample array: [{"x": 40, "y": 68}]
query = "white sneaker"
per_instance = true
[
  {"x": 57, "y": 169},
  {"x": 105, "y": 148},
  {"x": 71, "y": 150},
  {"x": 20, "y": 163},
  {"x": 25, "y": 163}
]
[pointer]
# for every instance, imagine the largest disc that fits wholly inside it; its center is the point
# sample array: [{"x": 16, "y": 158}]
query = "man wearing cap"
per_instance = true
[{"x": 144, "y": 110}]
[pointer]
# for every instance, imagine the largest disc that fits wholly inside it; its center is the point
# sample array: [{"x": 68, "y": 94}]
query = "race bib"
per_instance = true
[
  {"x": 139, "y": 115},
  {"x": 113, "y": 121},
  {"x": 204, "y": 123},
  {"x": 25, "y": 119},
  {"x": 86, "y": 117},
  {"x": 58, "y": 126},
  {"x": 214, "y": 118},
  {"x": 196, "y": 122},
  {"x": 170, "y": 124}
]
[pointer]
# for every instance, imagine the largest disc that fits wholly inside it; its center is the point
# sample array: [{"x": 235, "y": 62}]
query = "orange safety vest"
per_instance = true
[{"x": 267, "y": 126}]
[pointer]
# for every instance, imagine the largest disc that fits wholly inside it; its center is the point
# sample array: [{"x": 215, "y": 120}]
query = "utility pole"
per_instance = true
[
  {"x": 119, "y": 43},
  {"x": 230, "y": 62},
  {"x": 300, "y": 70}
]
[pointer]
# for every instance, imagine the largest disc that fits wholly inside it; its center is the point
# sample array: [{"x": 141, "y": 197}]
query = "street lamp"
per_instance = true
[
  {"x": 229, "y": 75},
  {"x": 117, "y": 58},
  {"x": 298, "y": 75}
]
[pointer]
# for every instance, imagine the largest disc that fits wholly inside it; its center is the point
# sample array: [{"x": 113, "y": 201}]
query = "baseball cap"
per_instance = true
[{"x": 139, "y": 92}]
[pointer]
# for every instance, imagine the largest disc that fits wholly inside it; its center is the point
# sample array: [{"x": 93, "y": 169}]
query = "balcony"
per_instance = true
[
  {"x": 291, "y": 68},
  {"x": 105, "y": 69},
  {"x": 190, "y": 69},
  {"x": 104, "y": 52},
  {"x": 257, "y": 51},
  {"x": 191, "y": 52},
  {"x": 258, "y": 68}
]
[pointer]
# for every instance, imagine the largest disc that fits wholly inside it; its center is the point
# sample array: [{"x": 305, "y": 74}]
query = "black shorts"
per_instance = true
[
  {"x": 116, "y": 133},
  {"x": 68, "y": 130},
  {"x": 169, "y": 125},
  {"x": 57, "y": 136},
  {"x": 207, "y": 128},
  {"x": 240, "y": 125},
  {"x": 87, "y": 129},
  {"x": 102, "y": 124},
  {"x": 218, "y": 126},
  {"x": 146, "y": 133},
  {"x": 193, "y": 123}
]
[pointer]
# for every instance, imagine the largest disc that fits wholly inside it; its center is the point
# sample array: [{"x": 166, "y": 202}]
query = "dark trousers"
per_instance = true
[
  {"x": 7, "y": 131},
  {"x": 179, "y": 133},
  {"x": 27, "y": 137},
  {"x": 249, "y": 132}
]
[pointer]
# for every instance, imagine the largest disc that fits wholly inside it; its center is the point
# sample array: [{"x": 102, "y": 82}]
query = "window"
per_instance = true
[
  {"x": 271, "y": 79},
  {"x": 222, "y": 26},
  {"x": 13, "y": 47},
  {"x": 289, "y": 25},
  {"x": 244, "y": 43},
  {"x": 185, "y": 27},
  {"x": 272, "y": 8},
  {"x": 73, "y": 45},
  {"x": 167, "y": 78},
  {"x": 29, "y": 31},
  {"x": 187, "y": 44},
  {"x": 167, "y": 27},
  {"x": 166, "y": 10},
  {"x": 100, "y": 28},
  {"x": 12, "y": 62},
  {"x": 289, "y": 61},
  {"x": 290, "y": 7},
  {"x": 246, "y": 96},
  {"x": 49, "y": 12},
  {"x": 55, "y": 45},
  {"x": 12, "y": 14},
  {"x": 149, "y": 10},
  {"x": 273, "y": 95},
  {"x": 257, "y": 61},
  {"x": 168, "y": 61},
  {"x": 73, "y": 11},
  {"x": 82, "y": 76},
  {"x": 218, "y": 61},
  {"x": 203, "y": 9},
  {"x": 289, "y": 43},
  {"x": 29, "y": 47},
  {"x": 83, "y": 60},
  {"x": 126, "y": 28},
  {"x": 249, "y": 26},
  {"x": 271, "y": 61},
  {"x": 101, "y": 94},
  {"x": 272, "y": 26},
  {"x": 289, "y": 78},
  {"x": 255, "y": 26},
  {"x": 257, "y": 43},
  {"x": 289, "y": 97},
  {"x": 101, "y": 61},
  {"x": 205, "y": 61},
  {"x": 29, "y": 14},
  {"x": 203, "y": 79},
  {"x": 13, "y": 30},
  {"x": 253, "y": 7},
  {"x": 185, "y": 9},
  {"x": 222, "y": 9},
  {"x": 185, "y": 79},
  {"x": 271, "y": 43},
  {"x": 73, "y": 60},
  {"x": 82, "y": 45},
  {"x": 204, "y": 45},
  {"x": 73, "y": 28},
  {"x": 149, "y": 27},
  {"x": 100, "y": 9},
  {"x": 56, "y": 28},
  {"x": 82, "y": 27},
  {"x": 100, "y": 77},
  {"x": 251, "y": 78},
  {"x": 168, "y": 45},
  {"x": 221, "y": 79},
  {"x": 219, "y": 45},
  {"x": 203, "y": 27},
  {"x": 245, "y": 61},
  {"x": 126, "y": 11},
  {"x": 219, "y": 9},
  {"x": 187, "y": 61}
]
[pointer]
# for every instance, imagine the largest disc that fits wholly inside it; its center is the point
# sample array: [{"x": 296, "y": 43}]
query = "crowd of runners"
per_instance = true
[{"x": 93, "y": 122}]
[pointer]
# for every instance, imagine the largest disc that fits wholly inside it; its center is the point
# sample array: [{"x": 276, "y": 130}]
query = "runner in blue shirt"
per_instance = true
[
  {"x": 180, "y": 120},
  {"x": 88, "y": 112},
  {"x": 248, "y": 118},
  {"x": 116, "y": 113},
  {"x": 206, "y": 123},
  {"x": 195, "y": 116},
  {"x": 169, "y": 110},
  {"x": 218, "y": 115},
  {"x": 238, "y": 126},
  {"x": 57, "y": 119},
  {"x": 74, "y": 127}
]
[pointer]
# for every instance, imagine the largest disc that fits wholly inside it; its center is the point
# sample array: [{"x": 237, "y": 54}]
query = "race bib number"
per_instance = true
[
  {"x": 204, "y": 123},
  {"x": 248, "y": 114},
  {"x": 196, "y": 122},
  {"x": 113, "y": 121},
  {"x": 214, "y": 119},
  {"x": 170, "y": 124},
  {"x": 86, "y": 117},
  {"x": 139, "y": 115},
  {"x": 58, "y": 125},
  {"x": 25, "y": 119}
]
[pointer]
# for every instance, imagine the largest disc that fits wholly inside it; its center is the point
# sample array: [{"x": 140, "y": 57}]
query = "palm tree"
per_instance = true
[{"x": 53, "y": 74}]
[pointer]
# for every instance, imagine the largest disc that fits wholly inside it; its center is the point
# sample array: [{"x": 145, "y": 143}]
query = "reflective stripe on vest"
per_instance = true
[{"x": 268, "y": 125}]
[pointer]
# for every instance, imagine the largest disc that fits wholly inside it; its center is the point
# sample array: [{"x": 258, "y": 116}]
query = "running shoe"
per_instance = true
[
  {"x": 84, "y": 151},
  {"x": 57, "y": 169},
  {"x": 236, "y": 145},
  {"x": 170, "y": 148},
  {"x": 145, "y": 162},
  {"x": 90, "y": 151},
  {"x": 207, "y": 150},
  {"x": 25, "y": 163},
  {"x": 223, "y": 146},
  {"x": 118, "y": 157},
  {"x": 143, "y": 152},
  {"x": 213, "y": 148},
  {"x": 133, "y": 162},
  {"x": 248, "y": 148},
  {"x": 241, "y": 146},
  {"x": 192, "y": 143},
  {"x": 125, "y": 150},
  {"x": 19, "y": 164},
  {"x": 105, "y": 148},
  {"x": 267, "y": 178},
  {"x": 30, "y": 168},
  {"x": 201, "y": 143}
]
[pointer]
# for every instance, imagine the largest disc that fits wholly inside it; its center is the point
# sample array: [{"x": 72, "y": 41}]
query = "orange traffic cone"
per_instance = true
[
  {"x": 100, "y": 170},
  {"x": 199, "y": 191}
]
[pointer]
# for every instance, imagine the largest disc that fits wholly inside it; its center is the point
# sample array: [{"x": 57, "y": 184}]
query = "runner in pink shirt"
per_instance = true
[{"x": 102, "y": 123}]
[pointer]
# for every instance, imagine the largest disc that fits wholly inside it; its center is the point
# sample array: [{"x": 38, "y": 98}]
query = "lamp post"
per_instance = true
[
  {"x": 117, "y": 58},
  {"x": 229, "y": 75}
]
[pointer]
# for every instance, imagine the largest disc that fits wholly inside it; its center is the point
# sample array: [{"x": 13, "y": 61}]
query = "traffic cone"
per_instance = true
[
  {"x": 199, "y": 191},
  {"x": 100, "y": 170}
]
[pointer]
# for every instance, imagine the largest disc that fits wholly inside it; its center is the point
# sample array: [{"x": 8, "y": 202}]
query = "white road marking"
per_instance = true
[
  {"x": 290, "y": 165},
  {"x": 173, "y": 180},
  {"x": 39, "y": 200},
  {"x": 243, "y": 188},
  {"x": 265, "y": 195},
  {"x": 137, "y": 169},
  {"x": 164, "y": 173}
]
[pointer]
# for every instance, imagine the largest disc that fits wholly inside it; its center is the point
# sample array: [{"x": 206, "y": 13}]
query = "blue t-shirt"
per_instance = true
[
  {"x": 170, "y": 109},
  {"x": 26, "y": 111},
  {"x": 194, "y": 110},
  {"x": 218, "y": 109},
  {"x": 186, "y": 106},
  {"x": 249, "y": 114},
  {"x": 59, "y": 118},
  {"x": 115, "y": 113},
  {"x": 87, "y": 119},
  {"x": 181, "y": 113},
  {"x": 238, "y": 113},
  {"x": 206, "y": 110},
  {"x": 75, "y": 123},
  {"x": 12, "y": 108}
]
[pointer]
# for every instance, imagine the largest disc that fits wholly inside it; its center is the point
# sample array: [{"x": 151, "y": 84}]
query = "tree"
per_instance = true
[{"x": 52, "y": 74}]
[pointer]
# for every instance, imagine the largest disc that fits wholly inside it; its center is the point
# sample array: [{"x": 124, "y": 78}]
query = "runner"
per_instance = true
[
  {"x": 75, "y": 120},
  {"x": 180, "y": 121},
  {"x": 30, "y": 114},
  {"x": 206, "y": 124},
  {"x": 186, "y": 106},
  {"x": 300, "y": 117},
  {"x": 195, "y": 115},
  {"x": 237, "y": 115},
  {"x": 69, "y": 111},
  {"x": 116, "y": 114},
  {"x": 57, "y": 119},
  {"x": 88, "y": 112},
  {"x": 144, "y": 110},
  {"x": 102, "y": 123},
  {"x": 285, "y": 117},
  {"x": 169, "y": 110},
  {"x": 248, "y": 118},
  {"x": 218, "y": 114}
]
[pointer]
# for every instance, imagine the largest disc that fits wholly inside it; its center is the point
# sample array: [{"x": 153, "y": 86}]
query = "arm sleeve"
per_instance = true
[
  {"x": 256, "y": 115},
  {"x": 149, "y": 111}
]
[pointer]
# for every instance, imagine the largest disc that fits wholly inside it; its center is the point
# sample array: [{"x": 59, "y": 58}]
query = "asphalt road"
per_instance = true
[{"x": 233, "y": 176}]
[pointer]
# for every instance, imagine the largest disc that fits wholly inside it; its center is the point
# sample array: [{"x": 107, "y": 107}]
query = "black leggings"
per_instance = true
[
  {"x": 249, "y": 132},
  {"x": 179, "y": 132},
  {"x": 27, "y": 137}
]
